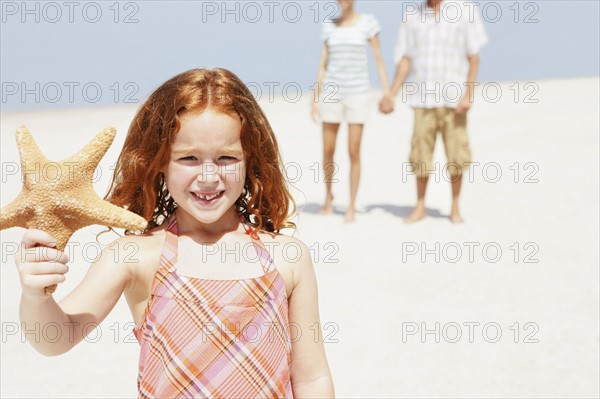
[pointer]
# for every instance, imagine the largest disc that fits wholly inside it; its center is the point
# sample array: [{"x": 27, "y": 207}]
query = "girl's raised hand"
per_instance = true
[{"x": 40, "y": 264}]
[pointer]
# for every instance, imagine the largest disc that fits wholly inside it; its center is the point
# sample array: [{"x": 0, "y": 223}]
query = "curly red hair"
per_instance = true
[{"x": 138, "y": 183}]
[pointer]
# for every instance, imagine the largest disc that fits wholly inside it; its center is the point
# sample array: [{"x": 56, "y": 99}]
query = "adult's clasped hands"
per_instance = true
[{"x": 386, "y": 104}]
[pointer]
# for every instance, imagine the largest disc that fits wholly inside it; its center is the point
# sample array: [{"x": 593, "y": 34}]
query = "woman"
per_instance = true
[{"x": 344, "y": 92}]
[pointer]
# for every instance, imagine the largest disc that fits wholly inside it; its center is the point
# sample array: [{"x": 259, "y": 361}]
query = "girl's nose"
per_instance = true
[{"x": 208, "y": 172}]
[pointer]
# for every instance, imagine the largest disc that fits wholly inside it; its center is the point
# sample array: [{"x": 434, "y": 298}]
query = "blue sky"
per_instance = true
[{"x": 86, "y": 53}]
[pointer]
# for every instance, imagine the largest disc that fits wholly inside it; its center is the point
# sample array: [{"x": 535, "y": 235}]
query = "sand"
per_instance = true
[{"x": 511, "y": 296}]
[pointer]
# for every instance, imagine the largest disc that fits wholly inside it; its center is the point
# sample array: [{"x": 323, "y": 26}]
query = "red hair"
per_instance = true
[{"x": 138, "y": 183}]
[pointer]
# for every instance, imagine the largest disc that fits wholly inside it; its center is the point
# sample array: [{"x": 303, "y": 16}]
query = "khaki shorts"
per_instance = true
[
  {"x": 352, "y": 109},
  {"x": 428, "y": 121}
]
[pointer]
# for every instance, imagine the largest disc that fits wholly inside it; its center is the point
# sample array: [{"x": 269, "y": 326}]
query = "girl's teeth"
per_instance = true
[{"x": 208, "y": 197}]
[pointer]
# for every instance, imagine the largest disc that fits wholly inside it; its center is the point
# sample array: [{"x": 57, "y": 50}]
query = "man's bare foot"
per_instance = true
[
  {"x": 350, "y": 216},
  {"x": 456, "y": 218},
  {"x": 455, "y": 213},
  {"x": 327, "y": 208},
  {"x": 417, "y": 214}
]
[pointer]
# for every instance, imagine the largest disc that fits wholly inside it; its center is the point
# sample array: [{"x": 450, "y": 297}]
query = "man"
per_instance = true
[{"x": 439, "y": 42}]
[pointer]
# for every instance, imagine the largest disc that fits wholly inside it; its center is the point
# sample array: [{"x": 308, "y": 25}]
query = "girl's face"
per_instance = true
[{"x": 206, "y": 172}]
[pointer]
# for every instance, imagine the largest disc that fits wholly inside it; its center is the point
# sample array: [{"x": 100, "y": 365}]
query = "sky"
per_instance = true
[{"x": 84, "y": 53}]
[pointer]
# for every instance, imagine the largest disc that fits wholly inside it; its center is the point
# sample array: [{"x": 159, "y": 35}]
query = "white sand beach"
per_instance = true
[{"x": 511, "y": 296}]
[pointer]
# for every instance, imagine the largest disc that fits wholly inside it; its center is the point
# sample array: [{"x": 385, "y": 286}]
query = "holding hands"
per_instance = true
[{"x": 386, "y": 104}]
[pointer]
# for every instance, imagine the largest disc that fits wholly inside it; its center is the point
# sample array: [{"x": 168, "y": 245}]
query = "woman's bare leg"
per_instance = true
[
  {"x": 330, "y": 131},
  {"x": 354, "y": 139}
]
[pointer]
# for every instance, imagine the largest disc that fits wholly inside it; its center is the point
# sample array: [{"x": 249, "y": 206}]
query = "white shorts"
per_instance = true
[{"x": 352, "y": 109}]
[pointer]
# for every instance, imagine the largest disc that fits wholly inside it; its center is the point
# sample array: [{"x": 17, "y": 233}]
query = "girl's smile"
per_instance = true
[{"x": 208, "y": 198}]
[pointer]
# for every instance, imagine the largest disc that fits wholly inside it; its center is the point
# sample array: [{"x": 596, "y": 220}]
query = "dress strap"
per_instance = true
[
  {"x": 168, "y": 256},
  {"x": 263, "y": 255}
]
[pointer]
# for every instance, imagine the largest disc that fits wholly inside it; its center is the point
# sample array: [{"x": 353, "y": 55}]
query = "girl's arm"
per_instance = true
[
  {"x": 310, "y": 373},
  {"x": 383, "y": 78},
  {"x": 386, "y": 105},
  {"x": 318, "y": 84},
  {"x": 81, "y": 310}
]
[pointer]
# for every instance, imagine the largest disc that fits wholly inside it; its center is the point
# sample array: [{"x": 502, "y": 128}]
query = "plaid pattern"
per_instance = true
[
  {"x": 214, "y": 338},
  {"x": 438, "y": 46}
]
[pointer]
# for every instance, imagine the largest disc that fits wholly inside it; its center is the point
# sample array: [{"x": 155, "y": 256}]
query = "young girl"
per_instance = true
[
  {"x": 343, "y": 90},
  {"x": 214, "y": 316}
]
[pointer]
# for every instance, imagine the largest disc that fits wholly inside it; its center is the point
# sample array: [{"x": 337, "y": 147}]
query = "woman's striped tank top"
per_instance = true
[{"x": 214, "y": 338}]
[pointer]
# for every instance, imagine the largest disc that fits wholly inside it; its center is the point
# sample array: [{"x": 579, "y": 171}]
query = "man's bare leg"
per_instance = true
[
  {"x": 419, "y": 212},
  {"x": 455, "y": 213}
]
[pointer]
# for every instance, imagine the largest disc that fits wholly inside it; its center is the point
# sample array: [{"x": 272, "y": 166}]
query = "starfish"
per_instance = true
[{"x": 58, "y": 197}]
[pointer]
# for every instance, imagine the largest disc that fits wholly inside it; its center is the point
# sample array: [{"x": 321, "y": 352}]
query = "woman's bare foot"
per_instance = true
[
  {"x": 417, "y": 214},
  {"x": 327, "y": 208},
  {"x": 456, "y": 218},
  {"x": 350, "y": 216}
]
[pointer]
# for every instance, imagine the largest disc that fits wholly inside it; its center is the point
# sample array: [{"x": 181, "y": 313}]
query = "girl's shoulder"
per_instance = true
[
  {"x": 140, "y": 255},
  {"x": 146, "y": 240},
  {"x": 290, "y": 254},
  {"x": 281, "y": 240},
  {"x": 137, "y": 251}
]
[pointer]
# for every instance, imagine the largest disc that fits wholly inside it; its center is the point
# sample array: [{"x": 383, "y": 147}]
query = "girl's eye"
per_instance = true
[
  {"x": 188, "y": 158},
  {"x": 227, "y": 158}
]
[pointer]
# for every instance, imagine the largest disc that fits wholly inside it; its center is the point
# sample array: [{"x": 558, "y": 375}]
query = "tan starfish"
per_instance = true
[{"x": 59, "y": 197}]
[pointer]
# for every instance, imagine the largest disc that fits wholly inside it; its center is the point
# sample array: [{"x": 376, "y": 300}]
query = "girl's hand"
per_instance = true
[
  {"x": 40, "y": 264},
  {"x": 314, "y": 112}
]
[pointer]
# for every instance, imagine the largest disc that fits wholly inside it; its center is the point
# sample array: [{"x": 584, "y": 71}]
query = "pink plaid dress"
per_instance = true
[{"x": 214, "y": 338}]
